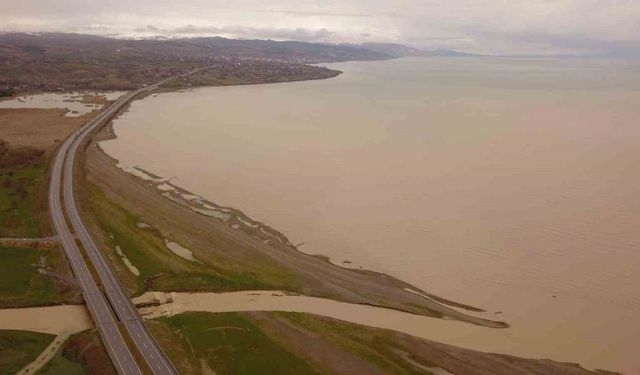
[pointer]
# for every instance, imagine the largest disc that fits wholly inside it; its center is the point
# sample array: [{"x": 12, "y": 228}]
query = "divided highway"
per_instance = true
[
  {"x": 126, "y": 312},
  {"x": 96, "y": 303}
]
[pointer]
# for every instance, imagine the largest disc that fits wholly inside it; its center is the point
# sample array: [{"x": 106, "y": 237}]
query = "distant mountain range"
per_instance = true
[
  {"x": 400, "y": 50},
  {"x": 47, "y": 61},
  {"x": 29, "y": 45}
]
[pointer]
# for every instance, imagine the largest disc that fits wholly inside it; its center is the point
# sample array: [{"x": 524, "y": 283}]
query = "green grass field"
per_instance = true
[
  {"x": 370, "y": 344},
  {"x": 146, "y": 250},
  {"x": 237, "y": 343},
  {"x": 19, "y": 348},
  {"x": 229, "y": 344},
  {"x": 23, "y": 206},
  {"x": 59, "y": 364},
  {"x": 22, "y": 285}
]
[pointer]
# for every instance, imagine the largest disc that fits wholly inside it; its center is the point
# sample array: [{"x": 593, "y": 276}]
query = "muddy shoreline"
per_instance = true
[{"x": 174, "y": 210}]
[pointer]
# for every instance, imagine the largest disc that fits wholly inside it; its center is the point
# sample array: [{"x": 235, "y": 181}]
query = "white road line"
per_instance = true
[{"x": 122, "y": 305}]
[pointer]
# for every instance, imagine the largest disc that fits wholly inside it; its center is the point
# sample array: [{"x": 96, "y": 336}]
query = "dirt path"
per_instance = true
[{"x": 46, "y": 355}]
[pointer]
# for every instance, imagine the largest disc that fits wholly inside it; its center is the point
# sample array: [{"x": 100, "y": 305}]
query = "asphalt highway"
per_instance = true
[
  {"x": 98, "y": 306},
  {"x": 96, "y": 303},
  {"x": 122, "y": 305}
]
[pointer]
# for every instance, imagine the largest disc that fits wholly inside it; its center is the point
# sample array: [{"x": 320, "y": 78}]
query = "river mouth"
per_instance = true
[
  {"x": 448, "y": 331},
  {"x": 503, "y": 184}
]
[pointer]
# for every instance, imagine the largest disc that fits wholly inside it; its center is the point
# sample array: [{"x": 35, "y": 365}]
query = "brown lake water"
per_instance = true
[{"x": 508, "y": 184}]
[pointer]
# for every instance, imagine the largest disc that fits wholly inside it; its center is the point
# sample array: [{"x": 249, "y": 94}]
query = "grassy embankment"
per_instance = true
[
  {"x": 162, "y": 270},
  {"x": 19, "y": 348}
]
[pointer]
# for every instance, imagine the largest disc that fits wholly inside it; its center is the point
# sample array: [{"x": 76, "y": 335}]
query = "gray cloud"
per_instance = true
[
  {"x": 317, "y": 14},
  {"x": 484, "y": 26},
  {"x": 244, "y": 32}
]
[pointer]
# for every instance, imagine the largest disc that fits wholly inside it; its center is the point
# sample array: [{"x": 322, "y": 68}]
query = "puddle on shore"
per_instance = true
[
  {"x": 165, "y": 187},
  {"x": 213, "y": 213},
  {"x": 180, "y": 250},
  {"x": 139, "y": 173},
  {"x": 134, "y": 270},
  {"x": 190, "y": 197}
]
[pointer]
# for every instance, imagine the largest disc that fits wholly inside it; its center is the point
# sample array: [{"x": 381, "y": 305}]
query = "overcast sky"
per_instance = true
[{"x": 484, "y": 26}]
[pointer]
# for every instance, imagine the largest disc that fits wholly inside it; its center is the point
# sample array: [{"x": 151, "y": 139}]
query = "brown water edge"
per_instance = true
[
  {"x": 156, "y": 304},
  {"x": 451, "y": 332},
  {"x": 521, "y": 196},
  {"x": 238, "y": 220},
  {"x": 380, "y": 289},
  {"x": 156, "y": 185},
  {"x": 257, "y": 229}
]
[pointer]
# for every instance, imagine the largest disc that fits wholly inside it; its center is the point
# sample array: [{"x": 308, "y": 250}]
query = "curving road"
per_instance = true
[
  {"x": 96, "y": 303},
  {"x": 126, "y": 312}
]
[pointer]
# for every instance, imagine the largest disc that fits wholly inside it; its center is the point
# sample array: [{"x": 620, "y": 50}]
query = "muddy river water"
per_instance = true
[{"x": 507, "y": 184}]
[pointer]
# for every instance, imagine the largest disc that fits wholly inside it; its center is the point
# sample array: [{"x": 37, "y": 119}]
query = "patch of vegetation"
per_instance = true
[
  {"x": 162, "y": 270},
  {"x": 177, "y": 347},
  {"x": 21, "y": 284},
  {"x": 23, "y": 206},
  {"x": 231, "y": 344},
  {"x": 373, "y": 345},
  {"x": 59, "y": 364},
  {"x": 19, "y": 348},
  {"x": 83, "y": 353},
  {"x": 257, "y": 72}
]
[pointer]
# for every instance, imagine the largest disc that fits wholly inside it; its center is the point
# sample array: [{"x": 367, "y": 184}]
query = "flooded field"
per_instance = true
[
  {"x": 507, "y": 184},
  {"x": 76, "y": 103}
]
